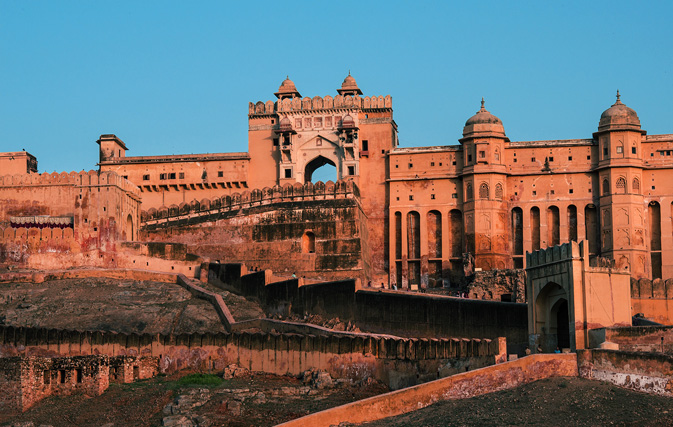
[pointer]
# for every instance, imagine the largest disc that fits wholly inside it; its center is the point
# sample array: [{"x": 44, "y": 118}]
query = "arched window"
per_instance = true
[
  {"x": 606, "y": 187},
  {"x": 470, "y": 195},
  {"x": 497, "y": 155},
  {"x": 498, "y": 191},
  {"x": 483, "y": 191},
  {"x": 621, "y": 185},
  {"x": 636, "y": 185}
]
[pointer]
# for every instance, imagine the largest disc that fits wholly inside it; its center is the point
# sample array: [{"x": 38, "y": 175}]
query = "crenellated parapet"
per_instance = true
[
  {"x": 318, "y": 103},
  {"x": 90, "y": 178},
  {"x": 342, "y": 189},
  {"x": 554, "y": 254}
]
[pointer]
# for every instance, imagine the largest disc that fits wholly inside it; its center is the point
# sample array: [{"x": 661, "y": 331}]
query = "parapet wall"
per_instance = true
[
  {"x": 267, "y": 196},
  {"x": 644, "y": 372},
  {"x": 380, "y": 311},
  {"x": 303, "y": 230},
  {"x": 321, "y": 103},
  {"x": 90, "y": 178},
  {"x": 635, "y": 338},
  {"x": 465, "y": 385},
  {"x": 653, "y": 298},
  {"x": 397, "y": 361}
]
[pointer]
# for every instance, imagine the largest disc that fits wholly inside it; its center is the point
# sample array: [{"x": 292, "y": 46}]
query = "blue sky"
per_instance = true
[{"x": 176, "y": 77}]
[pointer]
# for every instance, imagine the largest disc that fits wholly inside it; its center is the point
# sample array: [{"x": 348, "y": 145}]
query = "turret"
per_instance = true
[{"x": 111, "y": 148}]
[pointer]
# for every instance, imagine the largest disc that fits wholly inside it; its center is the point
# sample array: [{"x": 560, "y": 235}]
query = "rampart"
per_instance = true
[
  {"x": 67, "y": 215},
  {"x": 635, "y": 338},
  {"x": 644, "y": 372},
  {"x": 399, "y": 362},
  {"x": 26, "y": 380},
  {"x": 320, "y": 103},
  {"x": 653, "y": 298},
  {"x": 380, "y": 311},
  {"x": 317, "y": 231},
  {"x": 469, "y": 384}
]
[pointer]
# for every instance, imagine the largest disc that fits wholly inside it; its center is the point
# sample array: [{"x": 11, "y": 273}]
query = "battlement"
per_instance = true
[
  {"x": 91, "y": 178},
  {"x": 321, "y": 103},
  {"x": 297, "y": 192},
  {"x": 563, "y": 252}
]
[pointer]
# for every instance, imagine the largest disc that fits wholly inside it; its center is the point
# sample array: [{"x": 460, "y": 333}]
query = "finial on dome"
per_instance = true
[
  {"x": 349, "y": 72},
  {"x": 618, "y": 96},
  {"x": 482, "y": 102}
]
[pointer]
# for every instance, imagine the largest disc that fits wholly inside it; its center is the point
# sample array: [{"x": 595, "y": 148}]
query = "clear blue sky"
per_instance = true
[{"x": 176, "y": 77}]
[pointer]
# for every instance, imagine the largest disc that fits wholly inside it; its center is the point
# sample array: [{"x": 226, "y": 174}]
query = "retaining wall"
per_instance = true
[
  {"x": 399, "y": 362},
  {"x": 645, "y": 372},
  {"x": 460, "y": 386}
]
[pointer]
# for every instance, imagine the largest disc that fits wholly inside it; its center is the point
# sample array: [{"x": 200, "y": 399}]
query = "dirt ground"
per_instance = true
[
  {"x": 249, "y": 400},
  {"x": 551, "y": 402},
  {"x": 124, "y": 306}
]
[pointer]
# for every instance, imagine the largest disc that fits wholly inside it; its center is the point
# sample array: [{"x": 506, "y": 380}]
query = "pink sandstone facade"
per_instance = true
[
  {"x": 425, "y": 215},
  {"x": 486, "y": 201}
]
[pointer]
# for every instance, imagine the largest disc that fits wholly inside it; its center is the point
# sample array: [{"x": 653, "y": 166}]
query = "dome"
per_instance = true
[
  {"x": 287, "y": 89},
  {"x": 619, "y": 116},
  {"x": 349, "y": 86},
  {"x": 483, "y": 122}
]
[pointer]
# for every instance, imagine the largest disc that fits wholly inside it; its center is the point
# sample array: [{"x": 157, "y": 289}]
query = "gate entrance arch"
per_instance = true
[
  {"x": 315, "y": 164},
  {"x": 567, "y": 296}
]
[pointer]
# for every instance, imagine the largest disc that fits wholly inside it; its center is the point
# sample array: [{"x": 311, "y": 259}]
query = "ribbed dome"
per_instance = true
[
  {"x": 349, "y": 86},
  {"x": 619, "y": 116},
  {"x": 287, "y": 89},
  {"x": 483, "y": 121}
]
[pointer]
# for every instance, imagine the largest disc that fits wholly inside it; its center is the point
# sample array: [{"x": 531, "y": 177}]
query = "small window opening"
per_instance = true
[
  {"x": 365, "y": 145},
  {"x": 308, "y": 243},
  {"x": 181, "y": 175},
  {"x": 220, "y": 174},
  {"x": 146, "y": 177},
  {"x": 432, "y": 196},
  {"x": 79, "y": 374},
  {"x": 288, "y": 173},
  {"x": 276, "y": 142},
  {"x": 411, "y": 197},
  {"x": 61, "y": 376},
  {"x": 351, "y": 170}
]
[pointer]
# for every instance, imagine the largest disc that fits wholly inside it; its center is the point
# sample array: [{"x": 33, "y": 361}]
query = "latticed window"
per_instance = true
[
  {"x": 621, "y": 184},
  {"x": 483, "y": 191},
  {"x": 636, "y": 184},
  {"x": 498, "y": 191}
]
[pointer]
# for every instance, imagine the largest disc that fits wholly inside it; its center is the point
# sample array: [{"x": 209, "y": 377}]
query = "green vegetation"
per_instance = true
[{"x": 200, "y": 379}]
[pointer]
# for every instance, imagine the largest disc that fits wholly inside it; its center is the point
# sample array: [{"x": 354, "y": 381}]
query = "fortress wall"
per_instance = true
[
  {"x": 644, "y": 372},
  {"x": 397, "y": 361},
  {"x": 635, "y": 338},
  {"x": 653, "y": 298},
  {"x": 316, "y": 236},
  {"x": 50, "y": 249},
  {"x": 460, "y": 386},
  {"x": 381, "y": 311}
]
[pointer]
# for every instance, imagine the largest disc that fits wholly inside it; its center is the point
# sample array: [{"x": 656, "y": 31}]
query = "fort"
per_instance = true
[{"x": 444, "y": 258}]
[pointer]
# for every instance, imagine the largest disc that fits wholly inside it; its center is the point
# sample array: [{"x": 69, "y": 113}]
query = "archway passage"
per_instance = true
[
  {"x": 129, "y": 228},
  {"x": 562, "y": 325},
  {"x": 322, "y": 169},
  {"x": 552, "y": 317}
]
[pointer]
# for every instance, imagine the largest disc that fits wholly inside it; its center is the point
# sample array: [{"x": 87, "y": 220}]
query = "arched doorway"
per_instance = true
[
  {"x": 129, "y": 228},
  {"x": 560, "y": 314},
  {"x": 322, "y": 169},
  {"x": 552, "y": 318}
]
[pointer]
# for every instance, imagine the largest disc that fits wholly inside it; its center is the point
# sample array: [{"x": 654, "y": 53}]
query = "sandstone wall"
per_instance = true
[
  {"x": 635, "y": 338},
  {"x": 26, "y": 380},
  {"x": 399, "y": 362},
  {"x": 313, "y": 231},
  {"x": 382, "y": 311},
  {"x": 474, "y": 383},
  {"x": 644, "y": 372},
  {"x": 653, "y": 298}
]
